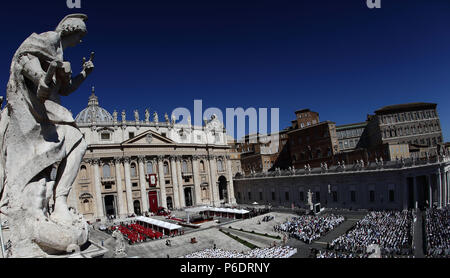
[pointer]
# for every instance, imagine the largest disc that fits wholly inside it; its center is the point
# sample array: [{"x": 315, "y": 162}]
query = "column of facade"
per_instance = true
[
  {"x": 430, "y": 191},
  {"x": 119, "y": 186},
  {"x": 447, "y": 183},
  {"x": 180, "y": 182},
  {"x": 208, "y": 170},
  {"x": 213, "y": 173},
  {"x": 231, "y": 197},
  {"x": 197, "y": 181},
  {"x": 126, "y": 165},
  {"x": 439, "y": 186},
  {"x": 173, "y": 171},
  {"x": 143, "y": 183},
  {"x": 416, "y": 193},
  {"x": 98, "y": 189},
  {"x": 162, "y": 185}
]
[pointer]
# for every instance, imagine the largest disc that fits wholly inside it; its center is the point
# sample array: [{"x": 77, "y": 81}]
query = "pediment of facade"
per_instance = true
[{"x": 148, "y": 138}]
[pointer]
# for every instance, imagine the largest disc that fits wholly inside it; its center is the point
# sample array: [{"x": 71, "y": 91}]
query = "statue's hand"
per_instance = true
[{"x": 88, "y": 66}]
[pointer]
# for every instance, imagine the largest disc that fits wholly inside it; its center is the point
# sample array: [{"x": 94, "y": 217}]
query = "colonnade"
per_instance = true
[{"x": 125, "y": 207}]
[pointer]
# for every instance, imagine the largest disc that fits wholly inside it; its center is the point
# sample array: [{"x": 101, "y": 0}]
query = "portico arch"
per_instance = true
[{"x": 223, "y": 188}]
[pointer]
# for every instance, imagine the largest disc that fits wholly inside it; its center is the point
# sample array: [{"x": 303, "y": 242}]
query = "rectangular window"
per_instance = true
[
  {"x": 260, "y": 196},
  {"x": 187, "y": 180},
  {"x": 105, "y": 136},
  {"x": 131, "y": 135},
  {"x": 134, "y": 184},
  {"x": 286, "y": 196},
  {"x": 353, "y": 196},
  {"x": 108, "y": 186},
  {"x": 391, "y": 196},
  {"x": 273, "y": 196},
  {"x": 167, "y": 181},
  {"x": 249, "y": 195},
  {"x": 352, "y": 144},
  {"x": 372, "y": 196},
  {"x": 317, "y": 197}
]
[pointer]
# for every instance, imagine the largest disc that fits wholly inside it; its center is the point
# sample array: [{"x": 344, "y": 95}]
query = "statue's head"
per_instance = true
[{"x": 72, "y": 29}]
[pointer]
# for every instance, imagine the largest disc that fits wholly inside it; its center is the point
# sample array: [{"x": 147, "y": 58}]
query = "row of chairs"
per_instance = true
[
  {"x": 133, "y": 236},
  {"x": 147, "y": 231}
]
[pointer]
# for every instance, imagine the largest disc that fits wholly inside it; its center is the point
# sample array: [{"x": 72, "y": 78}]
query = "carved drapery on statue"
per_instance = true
[{"x": 37, "y": 135}]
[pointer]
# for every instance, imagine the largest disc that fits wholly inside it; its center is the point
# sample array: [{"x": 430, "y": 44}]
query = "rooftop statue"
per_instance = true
[{"x": 38, "y": 137}]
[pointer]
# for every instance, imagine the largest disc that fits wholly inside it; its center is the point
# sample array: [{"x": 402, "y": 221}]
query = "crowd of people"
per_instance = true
[
  {"x": 308, "y": 228},
  {"x": 390, "y": 230},
  {"x": 327, "y": 254},
  {"x": 267, "y": 218},
  {"x": 269, "y": 252},
  {"x": 437, "y": 232}
]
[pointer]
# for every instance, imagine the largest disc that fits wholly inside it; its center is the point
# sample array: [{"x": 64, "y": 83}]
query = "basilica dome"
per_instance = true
[{"x": 93, "y": 113}]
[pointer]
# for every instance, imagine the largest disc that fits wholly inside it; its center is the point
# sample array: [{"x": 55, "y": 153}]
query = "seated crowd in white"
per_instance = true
[
  {"x": 437, "y": 232},
  {"x": 390, "y": 230},
  {"x": 308, "y": 228},
  {"x": 269, "y": 252}
]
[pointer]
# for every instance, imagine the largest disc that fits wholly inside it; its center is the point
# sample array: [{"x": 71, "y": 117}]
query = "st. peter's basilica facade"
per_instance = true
[{"x": 136, "y": 166}]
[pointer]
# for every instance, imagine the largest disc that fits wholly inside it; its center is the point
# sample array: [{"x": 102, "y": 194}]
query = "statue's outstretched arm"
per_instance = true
[
  {"x": 74, "y": 84},
  {"x": 88, "y": 67}
]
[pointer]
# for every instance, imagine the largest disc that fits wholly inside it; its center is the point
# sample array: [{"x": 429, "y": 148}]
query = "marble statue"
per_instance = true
[
  {"x": 39, "y": 137},
  {"x": 147, "y": 116},
  {"x": 115, "y": 116},
  {"x": 124, "y": 116},
  {"x": 166, "y": 117},
  {"x": 120, "y": 247},
  {"x": 155, "y": 117},
  {"x": 136, "y": 115},
  {"x": 310, "y": 199}
]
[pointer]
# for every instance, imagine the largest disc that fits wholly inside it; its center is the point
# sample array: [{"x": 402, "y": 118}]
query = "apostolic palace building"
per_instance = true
[{"x": 136, "y": 166}]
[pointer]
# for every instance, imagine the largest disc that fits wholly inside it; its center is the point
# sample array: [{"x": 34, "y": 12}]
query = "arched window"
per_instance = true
[
  {"x": 166, "y": 168},
  {"x": 202, "y": 166},
  {"x": 137, "y": 207},
  {"x": 106, "y": 171},
  {"x": 83, "y": 172},
  {"x": 133, "y": 170},
  {"x": 184, "y": 167},
  {"x": 86, "y": 205},
  {"x": 149, "y": 168},
  {"x": 169, "y": 203}
]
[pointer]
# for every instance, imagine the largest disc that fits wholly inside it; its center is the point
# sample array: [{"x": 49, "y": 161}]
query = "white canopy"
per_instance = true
[
  {"x": 227, "y": 210},
  {"x": 159, "y": 223}
]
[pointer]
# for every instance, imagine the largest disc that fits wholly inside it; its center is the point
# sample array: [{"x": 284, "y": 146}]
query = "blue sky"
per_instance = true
[{"x": 335, "y": 57}]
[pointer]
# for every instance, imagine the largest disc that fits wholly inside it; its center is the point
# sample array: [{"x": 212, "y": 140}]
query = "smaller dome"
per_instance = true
[{"x": 93, "y": 113}]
